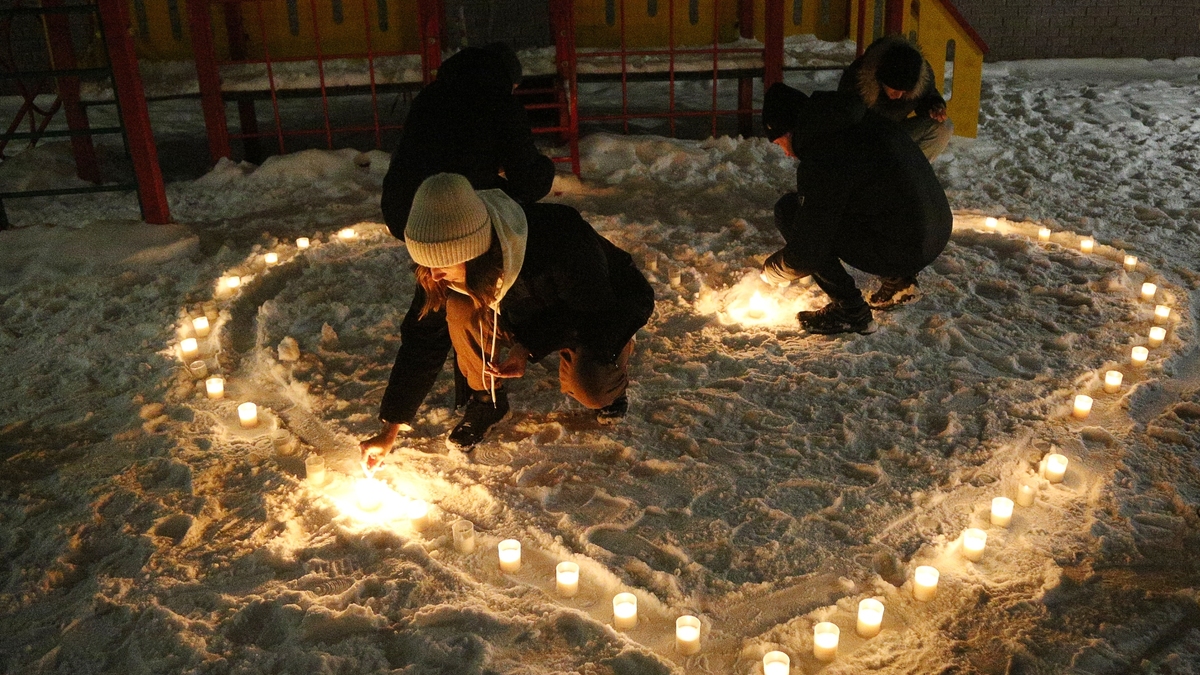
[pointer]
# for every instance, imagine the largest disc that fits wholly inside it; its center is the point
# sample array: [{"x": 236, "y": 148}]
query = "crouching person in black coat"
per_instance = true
[
  {"x": 865, "y": 195},
  {"x": 523, "y": 281}
]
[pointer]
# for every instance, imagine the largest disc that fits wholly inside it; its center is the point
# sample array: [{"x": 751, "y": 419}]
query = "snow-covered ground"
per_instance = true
[{"x": 764, "y": 480}]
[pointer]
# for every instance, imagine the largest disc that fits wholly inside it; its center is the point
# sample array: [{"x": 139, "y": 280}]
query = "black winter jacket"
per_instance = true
[
  {"x": 466, "y": 122},
  {"x": 867, "y": 192},
  {"x": 576, "y": 289},
  {"x": 859, "y": 79}
]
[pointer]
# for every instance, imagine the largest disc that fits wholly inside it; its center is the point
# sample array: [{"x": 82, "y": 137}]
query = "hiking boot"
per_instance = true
[
  {"x": 482, "y": 412},
  {"x": 895, "y": 291},
  {"x": 838, "y": 318},
  {"x": 613, "y": 412}
]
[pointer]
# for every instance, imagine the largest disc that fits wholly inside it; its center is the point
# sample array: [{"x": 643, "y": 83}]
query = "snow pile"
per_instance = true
[{"x": 764, "y": 480}]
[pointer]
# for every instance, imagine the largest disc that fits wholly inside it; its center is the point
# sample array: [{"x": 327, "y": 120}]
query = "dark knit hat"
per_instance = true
[
  {"x": 508, "y": 57},
  {"x": 900, "y": 67},
  {"x": 781, "y": 105}
]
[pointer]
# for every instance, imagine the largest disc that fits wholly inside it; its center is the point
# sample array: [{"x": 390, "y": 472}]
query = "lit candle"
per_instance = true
[
  {"x": 974, "y": 539},
  {"x": 1083, "y": 406},
  {"x": 652, "y": 262},
  {"x": 1161, "y": 313},
  {"x": 1044, "y": 234},
  {"x": 1056, "y": 468},
  {"x": 233, "y": 282},
  {"x": 189, "y": 348},
  {"x": 215, "y": 386},
  {"x": 566, "y": 579},
  {"x": 464, "y": 536},
  {"x": 347, "y": 233},
  {"x": 687, "y": 635},
  {"x": 870, "y": 617},
  {"x": 1002, "y": 508},
  {"x": 776, "y": 663},
  {"x": 1087, "y": 244},
  {"x": 1148, "y": 291},
  {"x": 302, "y": 243},
  {"x": 200, "y": 325},
  {"x": 624, "y": 611},
  {"x": 992, "y": 223},
  {"x": 370, "y": 494},
  {"x": 418, "y": 514},
  {"x": 1139, "y": 355},
  {"x": 1112, "y": 381},
  {"x": 198, "y": 369},
  {"x": 1130, "y": 263},
  {"x": 925, "y": 582},
  {"x": 271, "y": 258},
  {"x": 314, "y": 470},
  {"x": 1027, "y": 492},
  {"x": 758, "y": 307},
  {"x": 248, "y": 415},
  {"x": 825, "y": 641},
  {"x": 509, "y": 551},
  {"x": 1157, "y": 335}
]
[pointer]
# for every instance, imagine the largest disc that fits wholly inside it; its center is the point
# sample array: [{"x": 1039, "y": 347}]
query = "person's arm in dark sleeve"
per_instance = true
[
  {"x": 400, "y": 185},
  {"x": 424, "y": 344},
  {"x": 823, "y": 188},
  {"x": 529, "y": 173},
  {"x": 931, "y": 100}
]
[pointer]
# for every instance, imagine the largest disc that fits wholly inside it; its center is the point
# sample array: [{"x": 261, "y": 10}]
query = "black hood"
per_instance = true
[
  {"x": 823, "y": 114},
  {"x": 476, "y": 67}
]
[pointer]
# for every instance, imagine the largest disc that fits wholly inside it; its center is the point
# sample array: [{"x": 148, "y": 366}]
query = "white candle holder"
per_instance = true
[
  {"x": 687, "y": 635},
  {"x": 973, "y": 542},
  {"x": 1156, "y": 337},
  {"x": 925, "y": 583},
  {"x": 777, "y": 663},
  {"x": 302, "y": 243},
  {"x": 233, "y": 283},
  {"x": 1130, "y": 263},
  {"x": 1087, "y": 244},
  {"x": 509, "y": 552},
  {"x": 1002, "y": 509},
  {"x": 418, "y": 514},
  {"x": 215, "y": 387},
  {"x": 1161, "y": 314},
  {"x": 991, "y": 223},
  {"x": 1055, "y": 468},
  {"x": 1082, "y": 407},
  {"x": 248, "y": 415},
  {"x": 189, "y": 349},
  {"x": 1149, "y": 290},
  {"x": 270, "y": 258},
  {"x": 347, "y": 233},
  {"x": 624, "y": 611},
  {"x": 1139, "y": 355},
  {"x": 314, "y": 470},
  {"x": 1027, "y": 492},
  {"x": 198, "y": 369},
  {"x": 826, "y": 636},
  {"x": 1044, "y": 234},
  {"x": 463, "y": 532},
  {"x": 566, "y": 579},
  {"x": 870, "y": 618},
  {"x": 200, "y": 326},
  {"x": 1112, "y": 381}
]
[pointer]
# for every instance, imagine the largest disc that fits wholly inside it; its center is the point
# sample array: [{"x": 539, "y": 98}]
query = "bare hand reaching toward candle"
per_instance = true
[
  {"x": 512, "y": 366},
  {"x": 377, "y": 447}
]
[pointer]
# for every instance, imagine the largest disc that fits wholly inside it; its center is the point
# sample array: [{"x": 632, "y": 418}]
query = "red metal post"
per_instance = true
[
  {"x": 58, "y": 30},
  {"x": 893, "y": 18},
  {"x": 746, "y": 84},
  {"x": 562, "y": 20},
  {"x": 114, "y": 16},
  {"x": 862, "y": 27},
  {"x": 209, "y": 78},
  {"x": 429, "y": 13},
  {"x": 772, "y": 43}
]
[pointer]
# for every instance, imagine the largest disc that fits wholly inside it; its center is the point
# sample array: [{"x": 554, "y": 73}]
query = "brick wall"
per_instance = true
[{"x": 1040, "y": 29}]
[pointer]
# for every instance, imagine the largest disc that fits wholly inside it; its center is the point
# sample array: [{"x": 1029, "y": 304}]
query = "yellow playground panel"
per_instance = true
[
  {"x": 290, "y": 28},
  {"x": 825, "y": 19},
  {"x": 954, "y": 51},
  {"x": 648, "y": 23}
]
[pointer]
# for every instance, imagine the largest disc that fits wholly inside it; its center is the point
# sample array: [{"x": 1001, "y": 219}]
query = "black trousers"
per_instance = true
[{"x": 826, "y": 269}]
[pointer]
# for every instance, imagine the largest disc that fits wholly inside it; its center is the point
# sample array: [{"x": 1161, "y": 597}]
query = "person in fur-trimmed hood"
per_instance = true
[
  {"x": 893, "y": 79},
  {"x": 523, "y": 280}
]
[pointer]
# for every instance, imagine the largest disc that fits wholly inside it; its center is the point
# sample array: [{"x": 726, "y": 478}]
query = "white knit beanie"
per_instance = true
[{"x": 448, "y": 223}]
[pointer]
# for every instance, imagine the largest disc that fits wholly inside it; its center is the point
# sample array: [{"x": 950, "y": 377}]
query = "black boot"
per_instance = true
[
  {"x": 839, "y": 317},
  {"x": 895, "y": 291},
  {"x": 482, "y": 412},
  {"x": 614, "y": 412}
]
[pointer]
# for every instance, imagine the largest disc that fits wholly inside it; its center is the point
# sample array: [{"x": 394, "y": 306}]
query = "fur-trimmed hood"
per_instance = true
[{"x": 869, "y": 87}]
